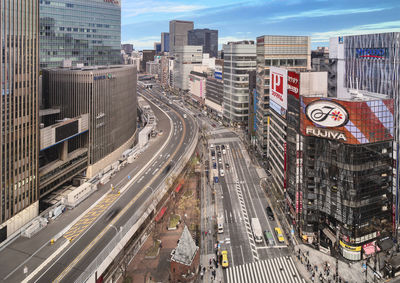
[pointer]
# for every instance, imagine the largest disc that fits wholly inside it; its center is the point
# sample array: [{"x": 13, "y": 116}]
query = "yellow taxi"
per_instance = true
[
  {"x": 279, "y": 235},
  {"x": 225, "y": 263}
]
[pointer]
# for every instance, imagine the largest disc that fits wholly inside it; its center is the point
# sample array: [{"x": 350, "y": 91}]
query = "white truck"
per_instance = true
[
  {"x": 257, "y": 231},
  {"x": 220, "y": 222}
]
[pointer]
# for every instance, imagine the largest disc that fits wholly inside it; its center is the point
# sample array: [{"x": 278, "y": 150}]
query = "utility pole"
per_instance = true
[{"x": 337, "y": 253}]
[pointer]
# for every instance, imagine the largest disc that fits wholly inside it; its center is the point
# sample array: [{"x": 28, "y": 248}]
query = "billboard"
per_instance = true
[
  {"x": 351, "y": 122},
  {"x": 278, "y": 86},
  {"x": 293, "y": 84}
]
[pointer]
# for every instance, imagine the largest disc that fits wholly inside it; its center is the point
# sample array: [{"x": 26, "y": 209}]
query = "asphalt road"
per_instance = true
[
  {"x": 78, "y": 254},
  {"x": 241, "y": 197}
]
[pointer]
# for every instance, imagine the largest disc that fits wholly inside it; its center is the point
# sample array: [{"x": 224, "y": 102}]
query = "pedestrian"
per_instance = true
[{"x": 210, "y": 261}]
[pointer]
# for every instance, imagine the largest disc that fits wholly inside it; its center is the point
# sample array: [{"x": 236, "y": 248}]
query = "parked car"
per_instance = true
[
  {"x": 221, "y": 172},
  {"x": 219, "y": 160},
  {"x": 226, "y": 165},
  {"x": 217, "y": 147},
  {"x": 214, "y": 165}
]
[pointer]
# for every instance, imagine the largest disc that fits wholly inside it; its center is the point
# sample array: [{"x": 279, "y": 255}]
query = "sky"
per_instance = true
[{"x": 144, "y": 20}]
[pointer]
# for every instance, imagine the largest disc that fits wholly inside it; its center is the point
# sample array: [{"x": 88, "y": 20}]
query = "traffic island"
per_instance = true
[
  {"x": 154, "y": 250},
  {"x": 174, "y": 221}
]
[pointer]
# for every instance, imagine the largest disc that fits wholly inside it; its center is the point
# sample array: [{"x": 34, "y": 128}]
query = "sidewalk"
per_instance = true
[{"x": 348, "y": 272}]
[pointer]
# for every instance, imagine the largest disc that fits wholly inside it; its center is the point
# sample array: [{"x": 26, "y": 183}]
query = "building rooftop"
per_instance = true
[
  {"x": 89, "y": 68},
  {"x": 186, "y": 250}
]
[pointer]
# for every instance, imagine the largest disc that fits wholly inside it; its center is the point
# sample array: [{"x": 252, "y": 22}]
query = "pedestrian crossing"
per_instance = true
[{"x": 275, "y": 270}]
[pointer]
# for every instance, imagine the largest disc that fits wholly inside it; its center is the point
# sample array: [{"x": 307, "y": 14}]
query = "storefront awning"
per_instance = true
[
  {"x": 330, "y": 235},
  {"x": 369, "y": 248},
  {"x": 178, "y": 188},
  {"x": 161, "y": 214}
]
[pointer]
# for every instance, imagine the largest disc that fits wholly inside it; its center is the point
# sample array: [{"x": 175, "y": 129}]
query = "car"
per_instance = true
[
  {"x": 269, "y": 239},
  {"x": 214, "y": 165},
  {"x": 212, "y": 145},
  {"x": 212, "y": 152},
  {"x": 213, "y": 157},
  {"x": 270, "y": 213},
  {"x": 222, "y": 146},
  {"x": 279, "y": 235},
  {"x": 219, "y": 153},
  {"x": 217, "y": 147},
  {"x": 223, "y": 151},
  {"x": 227, "y": 146},
  {"x": 226, "y": 165},
  {"x": 184, "y": 116},
  {"x": 221, "y": 172},
  {"x": 219, "y": 160},
  {"x": 213, "y": 125},
  {"x": 225, "y": 263}
]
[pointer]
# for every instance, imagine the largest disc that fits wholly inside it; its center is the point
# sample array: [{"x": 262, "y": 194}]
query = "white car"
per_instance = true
[
  {"x": 212, "y": 145},
  {"x": 221, "y": 172},
  {"x": 227, "y": 146},
  {"x": 223, "y": 151},
  {"x": 219, "y": 160}
]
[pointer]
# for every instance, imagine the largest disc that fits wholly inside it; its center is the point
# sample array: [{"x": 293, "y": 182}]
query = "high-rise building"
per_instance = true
[
  {"x": 108, "y": 95},
  {"x": 148, "y": 55},
  {"x": 85, "y": 32},
  {"x": 186, "y": 57},
  {"x": 273, "y": 50},
  {"x": 307, "y": 83},
  {"x": 369, "y": 62},
  {"x": 19, "y": 33},
  {"x": 165, "y": 42},
  {"x": 178, "y": 34},
  {"x": 239, "y": 60},
  {"x": 157, "y": 47},
  {"x": 206, "y": 38},
  {"x": 340, "y": 171}
]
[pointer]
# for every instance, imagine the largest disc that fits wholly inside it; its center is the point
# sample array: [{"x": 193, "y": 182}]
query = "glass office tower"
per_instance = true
[
  {"x": 19, "y": 114},
  {"x": 87, "y": 32}
]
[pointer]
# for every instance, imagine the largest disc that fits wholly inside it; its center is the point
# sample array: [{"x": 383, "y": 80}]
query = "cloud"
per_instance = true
[
  {"x": 382, "y": 27},
  {"x": 324, "y": 13},
  {"x": 136, "y": 8},
  {"x": 143, "y": 43}
]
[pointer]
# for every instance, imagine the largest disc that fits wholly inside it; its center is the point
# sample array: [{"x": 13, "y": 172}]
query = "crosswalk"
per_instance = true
[{"x": 275, "y": 270}]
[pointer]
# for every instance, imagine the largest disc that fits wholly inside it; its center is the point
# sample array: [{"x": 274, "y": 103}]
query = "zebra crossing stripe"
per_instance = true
[{"x": 276, "y": 270}]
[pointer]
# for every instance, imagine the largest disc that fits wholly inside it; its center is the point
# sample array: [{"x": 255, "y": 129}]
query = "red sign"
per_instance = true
[
  {"x": 293, "y": 84},
  {"x": 260, "y": 39},
  {"x": 277, "y": 86}
]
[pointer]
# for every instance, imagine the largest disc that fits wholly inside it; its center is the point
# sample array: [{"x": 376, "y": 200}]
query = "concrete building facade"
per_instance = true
[
  {"x": 178, "y": 34},
  {"x": 239, "y": 60},
  {"x": 107, "y": 94},
  {"x": 19, "y": 105},
  {"x": 186, "y": 57},
  {"x": 286, "y": 51}
]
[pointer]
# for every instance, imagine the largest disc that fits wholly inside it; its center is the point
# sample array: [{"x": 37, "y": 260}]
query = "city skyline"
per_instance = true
[{"x": 143, "y": 21}]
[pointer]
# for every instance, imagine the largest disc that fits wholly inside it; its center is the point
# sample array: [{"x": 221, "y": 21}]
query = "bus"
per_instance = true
[{"x": 257, "y": 232}]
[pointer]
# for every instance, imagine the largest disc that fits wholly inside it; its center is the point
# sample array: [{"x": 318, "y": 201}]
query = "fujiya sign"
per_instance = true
[
  {"x": 325, "y": 133},
  {"x": 327, "y": 114}
]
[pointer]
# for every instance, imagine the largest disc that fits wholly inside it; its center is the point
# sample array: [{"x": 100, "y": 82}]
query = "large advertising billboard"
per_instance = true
[
  {"x": 351, "y": 122},
  {"x": 278, "y": 86}
]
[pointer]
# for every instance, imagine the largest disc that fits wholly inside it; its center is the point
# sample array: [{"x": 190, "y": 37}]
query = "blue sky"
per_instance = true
[{"x": 144, "y": 20}]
